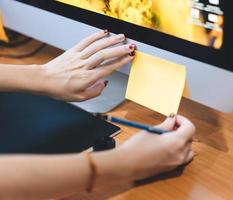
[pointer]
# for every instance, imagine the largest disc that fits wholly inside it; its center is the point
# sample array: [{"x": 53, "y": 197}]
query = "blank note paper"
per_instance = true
[{"x": 156, "y": 83}]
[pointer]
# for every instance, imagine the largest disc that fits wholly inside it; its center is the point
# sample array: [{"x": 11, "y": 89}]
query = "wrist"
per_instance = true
[
  {"x": 112, "y": 166},
  {"x": 35, "y": 80},
  {"x": 38, "y": 80}
]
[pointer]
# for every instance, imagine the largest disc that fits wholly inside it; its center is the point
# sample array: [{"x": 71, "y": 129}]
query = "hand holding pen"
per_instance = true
[
  {"x": 151, "y": 129},
  {"x": 125, "y": 122},
  {"x": 150, "y": 154}
]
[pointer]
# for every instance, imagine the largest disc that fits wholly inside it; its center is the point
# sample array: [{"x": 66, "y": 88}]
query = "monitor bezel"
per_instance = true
[{"x": 222, "y": 58}]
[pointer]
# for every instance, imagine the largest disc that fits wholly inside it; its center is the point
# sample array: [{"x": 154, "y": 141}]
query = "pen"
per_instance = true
[{"x": 145, "y": 127}]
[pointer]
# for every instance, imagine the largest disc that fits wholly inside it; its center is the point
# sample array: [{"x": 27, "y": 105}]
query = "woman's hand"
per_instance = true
[
  {"x": 77, "y": 75},
  {"x": 151, "y": 154},
  {"x": 146, "y": 154}
]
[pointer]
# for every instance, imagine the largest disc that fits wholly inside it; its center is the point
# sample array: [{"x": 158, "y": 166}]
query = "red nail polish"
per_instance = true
[
  {"x": 132, "y": 53},
  {"x": 132, "y": 46},
  {"x": 106, "y": 83}
]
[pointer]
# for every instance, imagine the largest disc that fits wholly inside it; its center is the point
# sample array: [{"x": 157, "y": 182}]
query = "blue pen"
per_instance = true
[{"x": 148, "y": 128}]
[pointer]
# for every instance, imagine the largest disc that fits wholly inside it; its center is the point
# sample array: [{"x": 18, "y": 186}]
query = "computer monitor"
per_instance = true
[{"x": 195, "y": 33}]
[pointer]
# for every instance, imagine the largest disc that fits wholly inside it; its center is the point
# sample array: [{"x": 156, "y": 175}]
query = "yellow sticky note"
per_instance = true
[
  {"x": 156, "y": 83},
  {"x": 3, "y": 35}
]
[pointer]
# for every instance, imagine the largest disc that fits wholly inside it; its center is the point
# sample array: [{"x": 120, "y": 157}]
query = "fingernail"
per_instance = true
[
  {"x": 120, "y": 37},
  {"x": 132, "y": 53},
  {"x": 172, "y": 115},
  {"x": 106, "y": 83},
  {"x": 105, "y": 31},
  {"x": 132, "y": 46}
]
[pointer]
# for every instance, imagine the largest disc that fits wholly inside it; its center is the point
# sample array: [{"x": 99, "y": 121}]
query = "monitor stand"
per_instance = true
[{"x": 112, "y": 96}]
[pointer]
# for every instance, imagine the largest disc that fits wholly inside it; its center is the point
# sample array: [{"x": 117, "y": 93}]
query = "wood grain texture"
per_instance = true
[{"x": 208, "y": 177}]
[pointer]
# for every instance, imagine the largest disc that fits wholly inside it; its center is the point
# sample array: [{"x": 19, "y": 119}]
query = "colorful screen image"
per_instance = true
[{"x": 198, "y": 21}]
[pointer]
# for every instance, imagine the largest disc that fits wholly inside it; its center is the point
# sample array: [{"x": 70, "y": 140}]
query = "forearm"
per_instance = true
[
  {"x": 45, "y": 177},
  {"x": 22, "y": 78},
  {"x": 42, "y": 177}
]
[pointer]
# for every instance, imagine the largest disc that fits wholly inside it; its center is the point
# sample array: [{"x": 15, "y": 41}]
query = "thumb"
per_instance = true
[
  {"x": 169, "y": 124},
  {"x": 95, "y": 90}
]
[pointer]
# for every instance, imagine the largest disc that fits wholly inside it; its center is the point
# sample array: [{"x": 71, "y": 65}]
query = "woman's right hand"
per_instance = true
[{"x": 148, "y": 154}]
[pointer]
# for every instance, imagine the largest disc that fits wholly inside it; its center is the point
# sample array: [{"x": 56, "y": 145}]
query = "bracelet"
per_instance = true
[{"x": 93, "y": 173}]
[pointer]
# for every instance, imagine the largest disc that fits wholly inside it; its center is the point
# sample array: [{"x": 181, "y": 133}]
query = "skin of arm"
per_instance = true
[
  {"x": 45, "y": 177},
  {"x": 24, "y": 78}
]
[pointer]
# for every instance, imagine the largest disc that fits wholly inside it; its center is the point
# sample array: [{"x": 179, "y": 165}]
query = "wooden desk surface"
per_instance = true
[{"x": 208, "y": 177}]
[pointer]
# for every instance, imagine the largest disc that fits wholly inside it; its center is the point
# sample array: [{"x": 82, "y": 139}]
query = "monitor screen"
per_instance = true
[
  {"x": 197, "y": 29},
  {"x": 197, "y": 21}
]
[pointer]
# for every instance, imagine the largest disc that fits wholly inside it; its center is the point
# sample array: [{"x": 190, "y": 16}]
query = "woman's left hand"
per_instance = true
[{"x": 77, "y": 75}]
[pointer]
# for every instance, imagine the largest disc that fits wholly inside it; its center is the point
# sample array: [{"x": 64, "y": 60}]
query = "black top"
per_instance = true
[{"x": 37, "y": 124}]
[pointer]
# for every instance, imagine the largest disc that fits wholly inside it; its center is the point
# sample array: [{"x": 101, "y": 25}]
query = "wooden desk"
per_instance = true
[{"x": 208, "y": 177}]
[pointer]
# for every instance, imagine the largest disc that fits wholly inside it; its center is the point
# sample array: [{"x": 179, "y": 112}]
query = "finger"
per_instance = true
[
  {"x": 108, "y": 54},
  {"x": 102, "y": 44},
  {"x": 100, "y": 73},
  {"x": 109, "y": 68},
  {"x": 182, "y": 152},
  {"x": 168, "y": 124},
  {"x": 89, "y": 40},
  {"x": 189, "y": 157},
  {"x": 186, "y": 128},
  {"x": 93, "y": 91}
]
